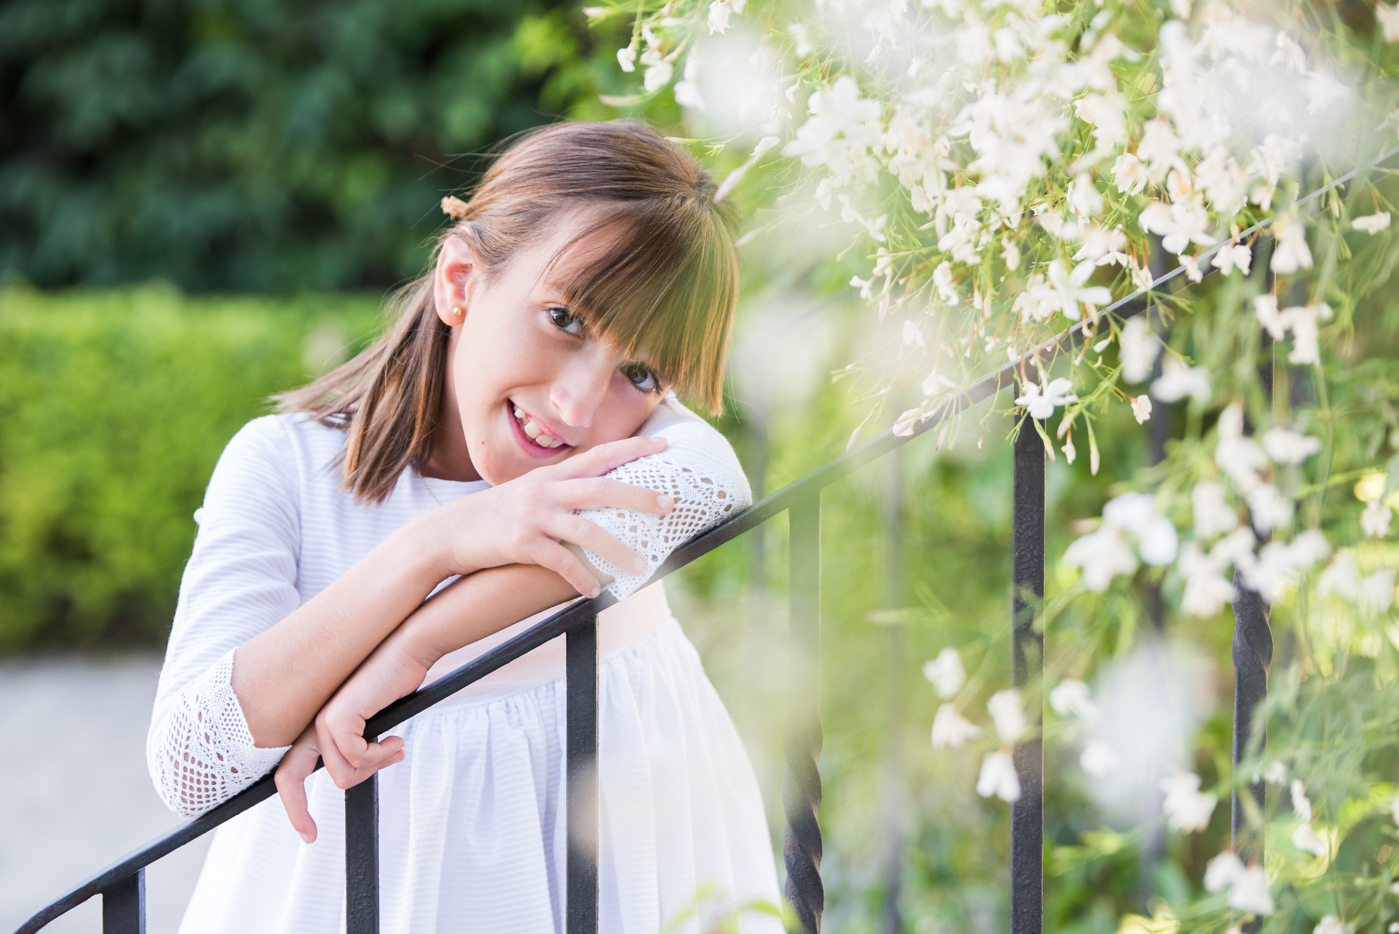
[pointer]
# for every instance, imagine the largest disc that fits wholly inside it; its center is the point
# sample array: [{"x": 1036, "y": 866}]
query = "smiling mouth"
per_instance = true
[{"x": 536, "y": 434}]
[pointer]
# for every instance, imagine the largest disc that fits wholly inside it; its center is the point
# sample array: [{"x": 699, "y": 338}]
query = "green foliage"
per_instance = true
[
  {"x": 116, "y": 406},
  {"x": 264, "y": 146}
]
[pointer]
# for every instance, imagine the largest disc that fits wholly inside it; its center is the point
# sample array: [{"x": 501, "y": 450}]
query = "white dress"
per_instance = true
[{"x": 471, "y": 823}]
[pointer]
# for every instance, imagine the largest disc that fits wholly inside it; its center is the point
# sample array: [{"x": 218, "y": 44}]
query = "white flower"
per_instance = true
[
  {"x": 1275, "y": 773},
  {"x": 1388, "y": 18},
  {"x": 802, "y": 39},
  {"x": 1375, "y": 594},
  {"x": 842, "y": 128},
  {"x": 1066, "y": 292},
  {"x": 1292, "y": 253},
  {"x": 627, "y": 58},
  {"x": 1129, "y": 173},
  {"x": 1330, "y": 924},
  {"x": 719, "y": 12},
  {"x": 1139, "y": 350},
  {"x": 1179, "y": 224},
  {"x": 1004, "y": 708},
  {"x": 1141, "y": 407},
  {"x": 1070, "y": 698},
  {"x": 1289, "y": 447},
  {"x": 1205, "y": 589},
  {"x": 1373, "y": 223},
  {"x": 1231, "y": 256},
  {"x": 1301, "y": 804},
  {"x": 1240, "y": 457},
  {"x": 998, "y": 778},
  {"x": 1269, "y": 508},
  {"x": 1186, "y": 809},
  {"x": 951, "y": 729},
  {"x": 1394, "y": 810},
  {"x": 945, "y": 672},
  {"x": 1249, "y": 892},
  {"x": 1178, "y": 380},
  {"x": 1265, "y": 309},
  {"x": 1135, "y": 514},
  {"x": 1306, "y": 840},
  {"x": 1222, "y": 872},
  {"x": 1213, "y": 516},
  {"x": 1102, "y": 555},
  {"x": 1192, "y": 268},
  {"x": 657, "y": 76},
  {"x": 1374, "y": 521},
  {"x": 1279, "y": 562},
  {"x": 1341, "y": 577},
  {"x": 1098, "y": 759},
  {"x": 1042, "y": 400}
]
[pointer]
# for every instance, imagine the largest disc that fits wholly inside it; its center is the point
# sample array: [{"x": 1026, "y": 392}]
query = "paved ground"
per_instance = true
[{"x": 76, "y": 796}]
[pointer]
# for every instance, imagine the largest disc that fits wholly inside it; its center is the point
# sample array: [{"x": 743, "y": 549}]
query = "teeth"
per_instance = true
[
  {"x": 532, "y": 430},
  {"x": 519, "y": 413}
]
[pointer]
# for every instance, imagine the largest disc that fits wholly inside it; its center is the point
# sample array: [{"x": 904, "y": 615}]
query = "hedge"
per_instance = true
[{"x": 114, "y": 407}]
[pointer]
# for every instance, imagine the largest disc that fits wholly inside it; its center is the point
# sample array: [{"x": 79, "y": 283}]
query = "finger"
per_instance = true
[
  {"x": 297, "y": 765},
  {"x": 570, "y": 528},
  {"x": 598, "y": 460},
  {"x": 602, "y": 493},
  {"x": 344, "y": 773},
  {"x": 346, "y": 733},
  {"x": 557, "y": 558}
]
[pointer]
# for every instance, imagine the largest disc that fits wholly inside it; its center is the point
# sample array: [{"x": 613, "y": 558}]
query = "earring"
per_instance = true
[{"x": 456, "y": 312}]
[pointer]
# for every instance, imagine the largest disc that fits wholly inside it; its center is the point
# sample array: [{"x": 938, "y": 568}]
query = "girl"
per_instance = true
[{"x": 511, "y": 442}]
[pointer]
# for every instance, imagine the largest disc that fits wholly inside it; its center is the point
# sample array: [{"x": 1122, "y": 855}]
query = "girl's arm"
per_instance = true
[{"x": 467, "y": 610}]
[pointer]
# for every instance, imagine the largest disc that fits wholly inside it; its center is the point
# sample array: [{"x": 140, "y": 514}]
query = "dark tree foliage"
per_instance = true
[{"x": 262, "y": 145}]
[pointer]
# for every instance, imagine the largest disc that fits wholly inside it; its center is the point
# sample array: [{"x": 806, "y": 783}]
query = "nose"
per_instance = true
[{"x": 580, "y": 389}]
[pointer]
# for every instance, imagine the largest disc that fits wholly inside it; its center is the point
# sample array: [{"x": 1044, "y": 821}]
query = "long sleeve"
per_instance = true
[
  {"x": 240, "y": 580},
  {"x": 698, "y": 470}
]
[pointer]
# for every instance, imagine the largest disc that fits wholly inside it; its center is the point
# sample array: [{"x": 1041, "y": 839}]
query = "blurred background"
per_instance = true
[{"x": 205, "y": 203}]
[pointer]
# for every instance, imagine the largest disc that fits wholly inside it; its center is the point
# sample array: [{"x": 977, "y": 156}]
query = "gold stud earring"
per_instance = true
[{"x": 456, "y": 312}]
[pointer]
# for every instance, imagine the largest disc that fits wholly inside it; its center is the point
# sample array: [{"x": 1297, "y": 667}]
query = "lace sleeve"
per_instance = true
[
  {"x": 201, "y": 753},
  {"x": 700, "y": 472}
]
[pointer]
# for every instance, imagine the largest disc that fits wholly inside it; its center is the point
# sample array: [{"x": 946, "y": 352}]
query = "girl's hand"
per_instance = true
[{"x": 525, "y": 520}]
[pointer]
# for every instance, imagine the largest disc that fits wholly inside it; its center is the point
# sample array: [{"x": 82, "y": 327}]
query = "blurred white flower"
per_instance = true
[
  {"x": 1330, "y": 924},
  {"x": 1043, "y": 399},
  {"x": 1289, "y": 447},
  {"x": 1141, "y": 407},
  {"x": 719, "y": 12},
  {"x": 801, "y": 38},
  {"x": 998, "y": 778},
  {"x": 1213, "y": 516},
  {"x": 1101, "y": 555},
  {"x": 1301, "y": 804},
  {"x": 1222, "y": 871},
  {"x": 1394, "y": 811},
  {"x": 1376, "y": 591},
  {"x": 1291, "y": 253},
  {"x": 951, "y": 729},
  {"x": 1374, "y": 521},
  {"x": 1278, "y": 563},
  {"x": 627, "y": 58},
  {"x": 1231, "y": 256},
  {"x": 1275, "y": 773},
  {"x": 1238, "y": 456},
  {"x": 1139, "y": 350},
  {"x": 657, "y": 76},
  {"x": 1341, "y": 577},
  {"x": 1129, "y": 173},
  {"x": 1249, "y": 892},
  {"x": 1179, "y": 224},
  {"x": 840, "y": 131},
  {"x": 1004, "y": 708},
  {"x": 1066, "y": 292},
  {"x": 1269, "y": 508},
  {"x": 1178, "y": 380},
  {"x": 1387, "y": 16},
  {"x": 1185, "y": 807},
  {"x": 1136, "y": 514},
  {"x": 1306, "y": 840},
  {"x": 1373, "y": 223},
  {"x": 945, "y": 672},
  {"x": 1265, "y": 309},
  {"x": 1070, "y": 698},
  {"x": 1098, "y": 759}
]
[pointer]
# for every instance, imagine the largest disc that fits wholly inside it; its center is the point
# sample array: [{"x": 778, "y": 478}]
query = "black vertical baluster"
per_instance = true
[
  {"x": 1027, "y": 665},
  {"x": 801, "y": 787},
  {"x": 124, "y": 905},
  {"x": 362, "y": 857},
  {"x": 891, "y": 921},
  {"x": 581, "y": 769}
]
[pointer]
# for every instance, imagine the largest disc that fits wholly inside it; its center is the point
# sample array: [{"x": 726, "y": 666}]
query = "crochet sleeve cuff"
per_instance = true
[
  {"x": 202, "y": 753},
  {"x": 706, "y": 490}
]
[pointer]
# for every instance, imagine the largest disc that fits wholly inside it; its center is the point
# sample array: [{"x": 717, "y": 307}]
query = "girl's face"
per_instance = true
[{"x": 527, "y": 384}]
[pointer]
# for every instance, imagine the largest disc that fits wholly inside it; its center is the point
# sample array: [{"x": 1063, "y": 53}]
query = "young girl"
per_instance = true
[{"x": 512, "y": 441}]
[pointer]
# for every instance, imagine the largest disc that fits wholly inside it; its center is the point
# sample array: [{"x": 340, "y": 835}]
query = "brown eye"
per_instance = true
[
  {"x": 565, "y": 320},
  {"x": 641, "y": 377}
]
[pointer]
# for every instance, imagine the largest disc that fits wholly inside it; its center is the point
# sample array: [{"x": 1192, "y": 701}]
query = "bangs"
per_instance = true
[{"x": 659, "y": 285}]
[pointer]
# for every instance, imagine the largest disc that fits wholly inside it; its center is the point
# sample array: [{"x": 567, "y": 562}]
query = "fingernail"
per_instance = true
[
  {"x": 305, "y": 837},
  {"x": 665, "y": 502},
  {"x": 638, "y": 566},
  {"x": 594, "y": 591},
  {"x": 658, "y": 439}
]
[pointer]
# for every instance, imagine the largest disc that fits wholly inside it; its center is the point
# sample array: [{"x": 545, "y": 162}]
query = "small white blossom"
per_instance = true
[
  {"x": 1330, "y": 924},
  {"x": 1301, "y": 804},
  {"x": 1043, "y": 399},
  {"x": 657, "y": 76},
  {"x": 1374, "y": 521},
  {"x": 1375, "y": 594},
  {"x": 1222, "y": 872},
  {"x": 719, "y": 12},
  {"x": 1249, "y": 892},
  {"x": 1306, "y": 840},
  {"x": 1098, "y": 759},
  {"x": 1185, "y": 807},
  {"x": 1004, "y": 708},
  {"x": 1373, "y": 223},
  {"x": 951, "y": 730},
  {"x": 1265, "y": 309},
  {"x": 1141, "y": 407},
  {"x": 1341, "y": 576},
  {"x": 627, "y": 58},
  {"x": 1129, "y": 173},
  {"x": 1231, "y": 256},
  {"x": 1387, "y": 15},
  {"x": 1289, "y": 447},
  {"x": 945, "y": 672},
  {"x": 1291, "y": 253},
  {"x": 998, "y": 778},
  {"x": 1269, "y": 508},
  {"x": 1213, "y": 516},
  {"x": 1070, "y": 697},
  {"x": 1238, "y": 456},
  {"x": 1178, "y": 380},
  {"x": 1101, "y": 555},
  {"x": 1275, "y": 773},
  {"x": 1139, "y": 350},
  {"x": 1067, "y": 293}
]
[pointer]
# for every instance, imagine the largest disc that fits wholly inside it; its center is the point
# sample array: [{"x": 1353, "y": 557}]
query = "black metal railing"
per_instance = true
[{"x": 122, "y": 885}]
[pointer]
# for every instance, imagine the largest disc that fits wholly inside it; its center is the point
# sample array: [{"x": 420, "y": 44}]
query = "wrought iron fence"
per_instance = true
[{"x": 122, "y": 885}]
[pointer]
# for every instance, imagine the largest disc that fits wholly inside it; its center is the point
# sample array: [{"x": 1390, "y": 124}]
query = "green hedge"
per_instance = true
[{"x": 114, "y": 407}]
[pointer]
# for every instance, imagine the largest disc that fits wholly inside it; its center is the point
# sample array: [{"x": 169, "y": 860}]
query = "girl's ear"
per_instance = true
[{"x": 456, "y": 273}]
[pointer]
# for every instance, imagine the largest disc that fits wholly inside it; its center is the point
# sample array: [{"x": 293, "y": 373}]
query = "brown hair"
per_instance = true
[{"x": 665, "y": 282}]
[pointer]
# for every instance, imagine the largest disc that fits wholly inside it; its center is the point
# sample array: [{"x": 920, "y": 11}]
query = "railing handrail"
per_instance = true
[{"x": 583, "y": 610}]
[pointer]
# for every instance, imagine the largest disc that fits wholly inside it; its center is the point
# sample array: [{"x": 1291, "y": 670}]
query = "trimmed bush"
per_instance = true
[{"x": 114, "y": 407}]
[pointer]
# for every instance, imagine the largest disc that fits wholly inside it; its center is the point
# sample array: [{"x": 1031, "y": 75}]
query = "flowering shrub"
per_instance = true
[{"x": 1011, "y": 169}]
